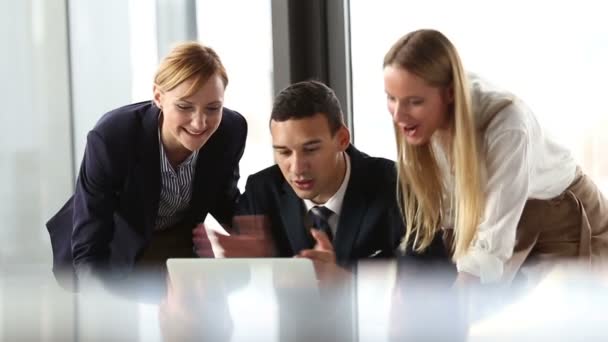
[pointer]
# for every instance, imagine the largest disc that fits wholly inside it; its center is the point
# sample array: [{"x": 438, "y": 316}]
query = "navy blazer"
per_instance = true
[
  {"x": 109, "y": 220},
  {"x": 370, "y": 222}
]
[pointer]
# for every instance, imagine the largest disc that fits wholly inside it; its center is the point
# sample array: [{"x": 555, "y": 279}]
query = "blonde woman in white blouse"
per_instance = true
[{"x": 475, "y": 166}]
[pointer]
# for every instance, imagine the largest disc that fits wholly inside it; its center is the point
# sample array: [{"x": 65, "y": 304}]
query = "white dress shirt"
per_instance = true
[
  {"x": 521, "y": 163},
  {"x": 334, "y": 203}
]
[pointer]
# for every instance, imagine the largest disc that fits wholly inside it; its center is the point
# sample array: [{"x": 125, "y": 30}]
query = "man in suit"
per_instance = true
[
  {"x": 323, "y": 200},
  {"x": 320, "y": 180}
]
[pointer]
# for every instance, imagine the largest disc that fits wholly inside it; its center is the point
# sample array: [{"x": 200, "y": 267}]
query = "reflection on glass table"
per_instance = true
[{"x": 397, "y": 302}]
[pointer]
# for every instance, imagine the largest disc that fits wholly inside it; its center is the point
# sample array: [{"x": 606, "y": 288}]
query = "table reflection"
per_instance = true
[{"x": 380, "y": 301}]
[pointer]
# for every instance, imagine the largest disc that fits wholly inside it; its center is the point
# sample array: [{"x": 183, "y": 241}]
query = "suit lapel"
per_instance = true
[
  {"x": 203, "y": 177},
  {"x": 150, "y": 167},
  {"x": 292, "y": 215},
  {"x": 354, "y": 207}
]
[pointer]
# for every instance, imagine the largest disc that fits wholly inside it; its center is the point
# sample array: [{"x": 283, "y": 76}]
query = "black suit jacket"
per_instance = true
[
  {"x": 369, "y": 224},
  {"x": 109, "y": 220}
]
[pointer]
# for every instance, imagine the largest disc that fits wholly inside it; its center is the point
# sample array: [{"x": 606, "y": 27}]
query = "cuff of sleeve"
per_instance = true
[{"x": 488, "y": 267}]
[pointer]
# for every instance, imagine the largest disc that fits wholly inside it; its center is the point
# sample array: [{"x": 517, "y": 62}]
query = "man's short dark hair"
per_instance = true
[{"x": 305, "y": 99}]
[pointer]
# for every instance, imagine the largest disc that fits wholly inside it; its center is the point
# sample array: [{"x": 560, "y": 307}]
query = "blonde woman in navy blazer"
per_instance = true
[{"x": 152, "y": 171}]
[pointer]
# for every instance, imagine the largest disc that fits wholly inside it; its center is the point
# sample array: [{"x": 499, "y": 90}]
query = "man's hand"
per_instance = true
[
  {"x": 323, "y": 257},
  {"x": 252, "y": 238},
  {"x": 323, "y": 250}
]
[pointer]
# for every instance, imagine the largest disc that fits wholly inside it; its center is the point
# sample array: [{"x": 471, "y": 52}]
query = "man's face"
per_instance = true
[{"x": 309, "y": 156}]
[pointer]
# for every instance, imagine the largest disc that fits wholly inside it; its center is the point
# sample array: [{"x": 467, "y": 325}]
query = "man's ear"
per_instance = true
[
  {"x": 343, "y": 136},
  {"x": 157, "y": 96}
]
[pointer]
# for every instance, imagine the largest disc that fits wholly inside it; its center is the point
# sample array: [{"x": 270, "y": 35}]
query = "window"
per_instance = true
[
  {"x": 246, "y": 52},
  {"x": 35, "y": 158}
]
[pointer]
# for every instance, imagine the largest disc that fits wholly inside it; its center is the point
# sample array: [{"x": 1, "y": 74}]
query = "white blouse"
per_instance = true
[{"x": 521, "y": 163}]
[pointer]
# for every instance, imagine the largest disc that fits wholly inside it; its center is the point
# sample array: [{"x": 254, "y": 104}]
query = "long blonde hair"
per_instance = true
[{"x": 431, "y": 56}]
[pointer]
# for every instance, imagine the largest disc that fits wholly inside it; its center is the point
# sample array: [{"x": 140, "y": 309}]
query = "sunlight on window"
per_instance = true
[
  {"x": 246, "y": 51},
  {"x": 144, "y": 52}
]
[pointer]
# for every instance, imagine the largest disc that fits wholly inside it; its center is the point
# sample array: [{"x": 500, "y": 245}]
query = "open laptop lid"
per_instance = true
[{"x": 233, "y": 273}]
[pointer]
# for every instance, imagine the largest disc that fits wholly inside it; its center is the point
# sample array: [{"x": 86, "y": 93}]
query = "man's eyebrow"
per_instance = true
[
  {"x": 312, "y": 142},
  {"x": 306, "y": 144}
]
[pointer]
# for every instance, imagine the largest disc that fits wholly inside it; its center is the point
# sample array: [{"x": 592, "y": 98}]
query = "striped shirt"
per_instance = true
[{"x": 176, "y": 188}]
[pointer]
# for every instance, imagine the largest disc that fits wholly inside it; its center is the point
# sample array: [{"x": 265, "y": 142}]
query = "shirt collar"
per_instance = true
[
  {"x": 188, "y": 162},
  {"x": 334, "y": 203}
]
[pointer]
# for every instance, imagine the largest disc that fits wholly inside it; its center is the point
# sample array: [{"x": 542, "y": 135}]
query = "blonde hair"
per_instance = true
[
  {"x": 189, "y": 60},
  {"x": 431, "y": 56}
]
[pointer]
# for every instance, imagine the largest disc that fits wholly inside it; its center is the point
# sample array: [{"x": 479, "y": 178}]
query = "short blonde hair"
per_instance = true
[{"x": 189, "y": 60}]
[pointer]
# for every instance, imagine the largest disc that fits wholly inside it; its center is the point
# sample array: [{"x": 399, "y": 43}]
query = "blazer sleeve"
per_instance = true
[
  {"x": 95, "y": 201},
  {"x": 224, "y": 205},
  {"x": 247, "y": 203}
]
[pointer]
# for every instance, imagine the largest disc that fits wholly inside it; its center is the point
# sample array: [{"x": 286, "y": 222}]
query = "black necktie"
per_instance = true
[{"x": 320, "y": 220}]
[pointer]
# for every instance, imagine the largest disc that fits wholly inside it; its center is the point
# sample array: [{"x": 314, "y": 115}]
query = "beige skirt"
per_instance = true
[{"x": 571, "y": 226}]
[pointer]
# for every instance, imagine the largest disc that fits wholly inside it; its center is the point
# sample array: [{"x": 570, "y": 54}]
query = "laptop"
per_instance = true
[{"x": 233, "y": 273}]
